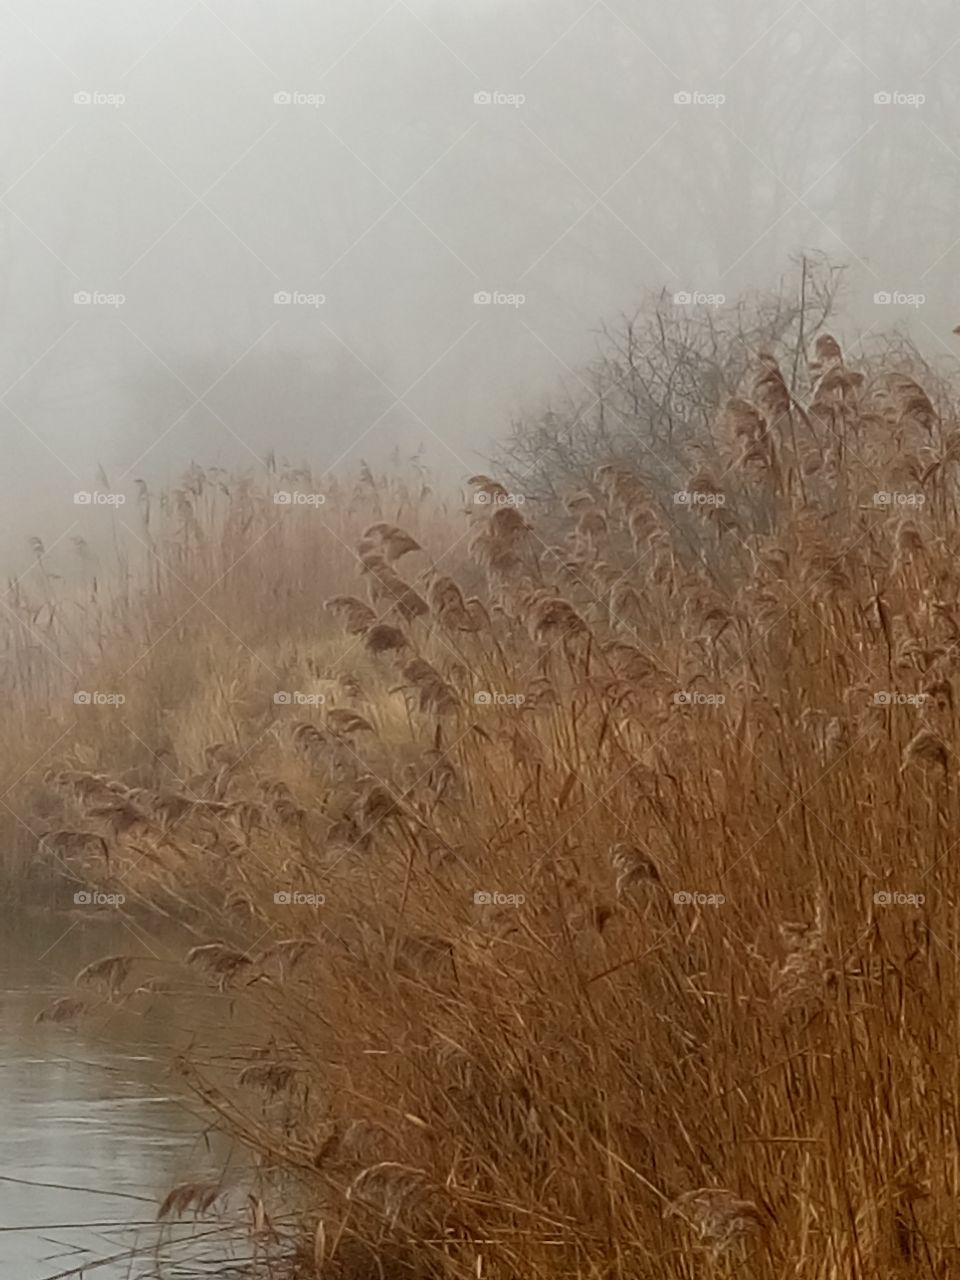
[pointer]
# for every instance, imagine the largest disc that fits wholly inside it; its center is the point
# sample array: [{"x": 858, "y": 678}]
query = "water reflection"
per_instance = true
[{"x": 95, "y": 1128}]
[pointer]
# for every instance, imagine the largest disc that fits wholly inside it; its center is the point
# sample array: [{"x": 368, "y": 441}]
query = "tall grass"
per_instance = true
[{"x": 641, "y": 964}]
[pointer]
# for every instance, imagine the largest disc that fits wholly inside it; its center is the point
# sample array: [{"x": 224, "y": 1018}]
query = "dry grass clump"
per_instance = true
[
  {"x": 107, "y": 974},
  {"x": 190, "y": 1197},
  {"x": 219, "y": 961},
  {"x": 62, "y": 1010},
  {"x": 593, "y": 890},
  {"x": 719, "y": 1217}
]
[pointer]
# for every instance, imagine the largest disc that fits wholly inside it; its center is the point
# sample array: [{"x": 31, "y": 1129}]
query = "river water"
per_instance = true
[{"x": 95, "y": 1128}]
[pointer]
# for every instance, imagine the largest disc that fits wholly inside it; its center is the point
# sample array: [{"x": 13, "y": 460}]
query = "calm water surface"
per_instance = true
[{"x": 94, "y": 1127}]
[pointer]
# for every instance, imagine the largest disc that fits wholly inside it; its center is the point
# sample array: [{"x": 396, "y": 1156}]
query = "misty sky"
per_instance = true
[{"x": 420, "y": 154}]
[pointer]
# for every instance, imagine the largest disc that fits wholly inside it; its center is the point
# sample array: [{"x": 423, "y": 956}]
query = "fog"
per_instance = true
[{"x": 382, "y": 162}]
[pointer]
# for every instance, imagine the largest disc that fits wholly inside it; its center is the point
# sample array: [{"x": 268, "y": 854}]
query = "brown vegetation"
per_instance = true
[{"x": 593, "y": 884}]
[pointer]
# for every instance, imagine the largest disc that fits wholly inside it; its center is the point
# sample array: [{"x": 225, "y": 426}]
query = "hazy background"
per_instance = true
[{"x": 198, "y": 198}]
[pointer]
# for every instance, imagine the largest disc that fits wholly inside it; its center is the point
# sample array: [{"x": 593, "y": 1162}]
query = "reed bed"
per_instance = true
[{"x": 590, "y": 875}]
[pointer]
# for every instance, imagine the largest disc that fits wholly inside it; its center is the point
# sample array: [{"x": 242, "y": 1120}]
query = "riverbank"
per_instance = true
[
  {"x": 96, "y": 1126},
  {"x": 586, "y": 898}
]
